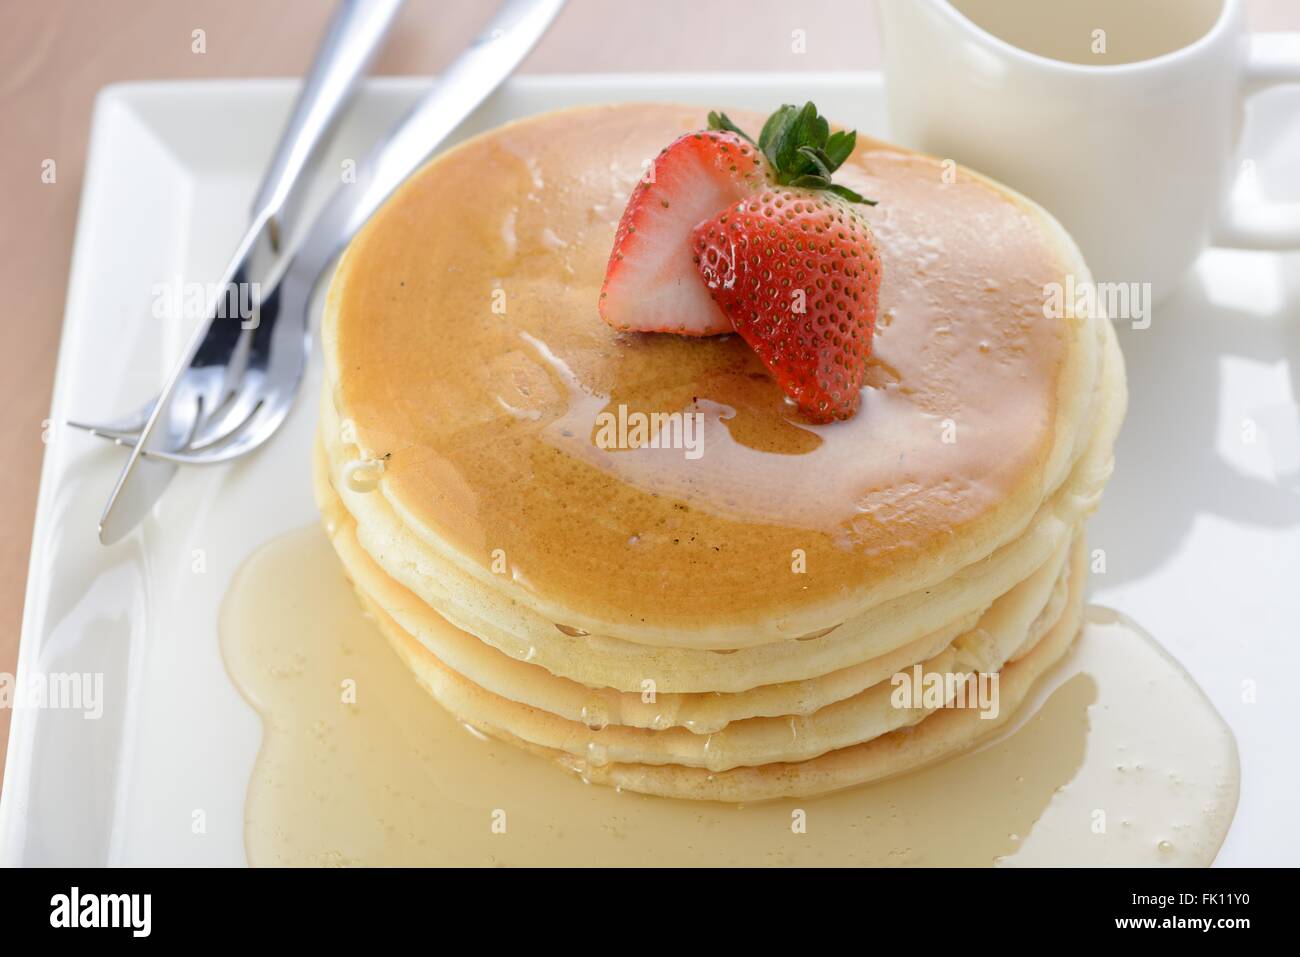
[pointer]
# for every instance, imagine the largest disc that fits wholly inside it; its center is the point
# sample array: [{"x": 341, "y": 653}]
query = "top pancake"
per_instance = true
[{"x": 464, "y": 349}]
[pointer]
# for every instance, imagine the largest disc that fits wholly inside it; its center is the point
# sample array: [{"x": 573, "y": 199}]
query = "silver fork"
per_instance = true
[
  {"x": 221, "y": 386},
  {"x": 275, "y": 352}
]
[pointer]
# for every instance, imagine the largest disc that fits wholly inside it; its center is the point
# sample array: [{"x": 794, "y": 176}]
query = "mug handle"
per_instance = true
[{"x": 1272, "y": 59}]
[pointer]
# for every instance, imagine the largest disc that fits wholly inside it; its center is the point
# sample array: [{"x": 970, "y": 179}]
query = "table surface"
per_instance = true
[{"x": 56, "y": 54}]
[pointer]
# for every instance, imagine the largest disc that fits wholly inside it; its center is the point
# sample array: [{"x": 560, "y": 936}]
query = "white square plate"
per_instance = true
[{"x": 1201, "y": 526}]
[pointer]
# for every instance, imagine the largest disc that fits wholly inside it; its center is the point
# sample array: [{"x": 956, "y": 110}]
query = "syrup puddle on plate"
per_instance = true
[{"x": 1118, "y": 758}]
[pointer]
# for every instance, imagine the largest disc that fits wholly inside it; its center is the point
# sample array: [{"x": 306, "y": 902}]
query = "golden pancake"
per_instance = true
[
  {"x": 465, "y": 354},
  {"x": 717, "y": 614}
]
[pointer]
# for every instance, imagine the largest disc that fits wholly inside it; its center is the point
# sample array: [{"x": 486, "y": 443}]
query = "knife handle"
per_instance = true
[{"x": 353, "y": 37}]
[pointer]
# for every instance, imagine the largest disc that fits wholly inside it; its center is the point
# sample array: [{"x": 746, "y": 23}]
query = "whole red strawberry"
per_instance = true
[{"x": 796, "y": 272}]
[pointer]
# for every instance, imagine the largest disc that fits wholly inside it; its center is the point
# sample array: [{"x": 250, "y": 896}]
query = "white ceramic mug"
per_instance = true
[{"x": 1121, "y": 117}]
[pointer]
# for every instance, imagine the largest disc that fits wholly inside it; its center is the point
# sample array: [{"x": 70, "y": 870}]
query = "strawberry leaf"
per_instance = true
[
  {"x": 840, "y": 147},
  {"x": 850, "y": 195},
  {"x": 818, "y": 161},
  {"x": 810, "y": 181},
  {"x": 818, "y": 130},
  {"x": 780, "y": 117},
  {"x": 785, "y": 140},
  {"x": 798, "y": 133},
  {"x": 721, "y": 121}
]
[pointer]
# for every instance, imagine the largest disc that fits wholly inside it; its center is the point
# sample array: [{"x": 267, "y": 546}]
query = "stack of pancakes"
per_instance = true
[{"x": 724, "y": 624}]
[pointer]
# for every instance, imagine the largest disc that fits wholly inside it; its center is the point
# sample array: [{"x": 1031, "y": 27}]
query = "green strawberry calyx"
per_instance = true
[{"x": 801, "y": 148}]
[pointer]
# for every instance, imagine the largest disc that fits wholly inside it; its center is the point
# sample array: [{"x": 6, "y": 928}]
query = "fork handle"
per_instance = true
[{"x": 354, "y": 36}]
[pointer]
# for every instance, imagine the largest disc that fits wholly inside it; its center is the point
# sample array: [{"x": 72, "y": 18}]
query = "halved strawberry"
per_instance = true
[
  {"x": 796, "y": 272},
  {"x": 650, "y": 283}
]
